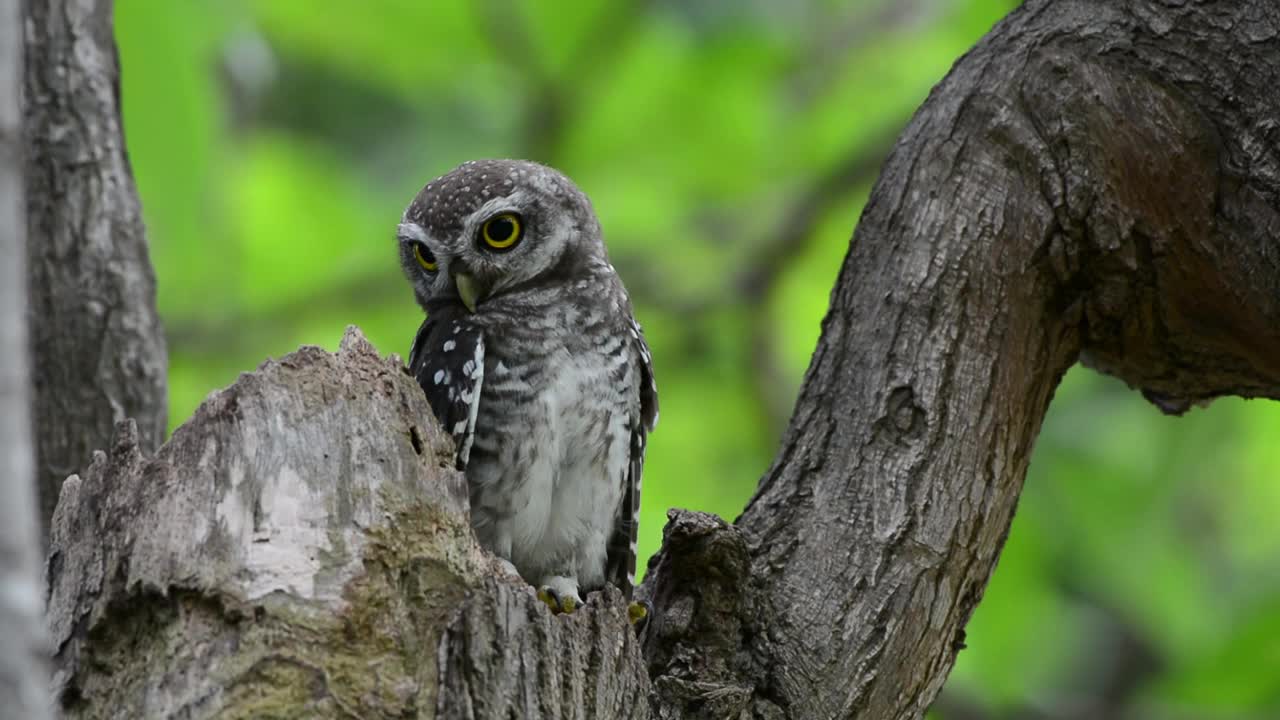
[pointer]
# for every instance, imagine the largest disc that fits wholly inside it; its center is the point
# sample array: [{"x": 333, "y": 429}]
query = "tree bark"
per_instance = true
[
  {"x": 23, "y": 649},
  {"x": 1095, "y": 180},
  {"x": 97, "y": 345}
]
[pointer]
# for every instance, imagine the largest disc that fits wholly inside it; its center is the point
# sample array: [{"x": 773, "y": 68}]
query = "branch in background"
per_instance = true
[
  {"x": 812, "y": 76},
  {"x": 247, "y": 332},
  {"x": 550, "y": 99},
  {"x": 23, "y": 650},
  {"x": 810, "y": 82},
  {"x": 97, "y": 345},
  {"x": 1115, "y": 664},
  {"x": 792, "y": 236}
]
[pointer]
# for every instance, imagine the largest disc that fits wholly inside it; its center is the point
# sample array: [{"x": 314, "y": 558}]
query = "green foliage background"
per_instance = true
[{"x": 728, "y": 146}]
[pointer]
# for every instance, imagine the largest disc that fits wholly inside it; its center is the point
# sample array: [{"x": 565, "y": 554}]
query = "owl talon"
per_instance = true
[
  {"x": 638, "y": 614},
  {"x": 558, "y": 603}
]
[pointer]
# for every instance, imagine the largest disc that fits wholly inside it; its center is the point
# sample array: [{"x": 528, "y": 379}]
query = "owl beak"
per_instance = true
[{"x": 468, "y": 290}]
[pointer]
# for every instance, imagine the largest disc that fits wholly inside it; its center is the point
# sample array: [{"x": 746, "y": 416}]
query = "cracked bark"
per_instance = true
[
  {"x": 97, "y": 347},
  {"x": 1095, "y": 180}
]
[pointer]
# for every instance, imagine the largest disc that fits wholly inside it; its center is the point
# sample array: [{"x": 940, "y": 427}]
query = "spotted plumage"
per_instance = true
[{"x": 532, "y": 360}]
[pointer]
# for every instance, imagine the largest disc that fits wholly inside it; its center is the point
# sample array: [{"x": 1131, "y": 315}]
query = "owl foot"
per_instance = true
[
  {"x": 560, "y": 594},
  {"x": 638, "y": 614}
]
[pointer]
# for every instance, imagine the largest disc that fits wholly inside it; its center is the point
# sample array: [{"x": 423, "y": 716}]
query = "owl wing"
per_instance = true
[
  {"x": 620, "y": 564},
  {"x": 447, "y": 359}
]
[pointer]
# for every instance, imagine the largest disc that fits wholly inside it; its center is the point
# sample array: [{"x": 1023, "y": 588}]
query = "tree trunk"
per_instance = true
[
  {"x": 23, "y": 665},
  {"x": 97, "y": 345},
  {"x": 1096, "y": 180}
]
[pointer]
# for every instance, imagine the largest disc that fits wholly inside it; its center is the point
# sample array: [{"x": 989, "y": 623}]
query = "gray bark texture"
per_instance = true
[
  {"x": 1096, "y": 180},
  {"x": 97, "y": 346},
  {"x": 23, "y": 648}
]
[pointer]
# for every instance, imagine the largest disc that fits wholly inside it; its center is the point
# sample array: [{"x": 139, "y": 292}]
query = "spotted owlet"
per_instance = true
[{"x": 532, "y": 360}]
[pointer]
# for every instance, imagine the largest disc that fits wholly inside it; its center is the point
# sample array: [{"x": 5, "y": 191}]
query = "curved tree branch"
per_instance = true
[{"x": 1082, "y": 182}]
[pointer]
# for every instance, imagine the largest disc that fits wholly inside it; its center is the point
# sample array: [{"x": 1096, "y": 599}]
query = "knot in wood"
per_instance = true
[{"x": 904, "y": 413}]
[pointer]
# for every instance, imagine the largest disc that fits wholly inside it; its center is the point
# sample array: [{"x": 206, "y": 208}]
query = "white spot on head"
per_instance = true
[{"x": 411, "y": 231}]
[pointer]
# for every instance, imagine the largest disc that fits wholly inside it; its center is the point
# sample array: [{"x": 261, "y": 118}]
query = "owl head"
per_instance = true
[{"x": 491, "y": 227}]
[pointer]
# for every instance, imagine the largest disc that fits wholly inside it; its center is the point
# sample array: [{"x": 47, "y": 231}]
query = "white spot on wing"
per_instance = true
[
  {"x": 449, "y": 345},
  {"x": 464, "y": 452}
]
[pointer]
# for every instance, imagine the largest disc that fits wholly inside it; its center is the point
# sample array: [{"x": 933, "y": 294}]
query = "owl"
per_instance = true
[{"x": 532, "y": 360}]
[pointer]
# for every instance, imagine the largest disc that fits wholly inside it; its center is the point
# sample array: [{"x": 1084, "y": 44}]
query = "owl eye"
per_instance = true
[
  {"x": 424, "y": 257},
  {"x": 501, "y": 232}
]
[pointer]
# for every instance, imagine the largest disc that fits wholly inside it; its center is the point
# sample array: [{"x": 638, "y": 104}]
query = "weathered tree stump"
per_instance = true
[{"x": 298, "y": 549}]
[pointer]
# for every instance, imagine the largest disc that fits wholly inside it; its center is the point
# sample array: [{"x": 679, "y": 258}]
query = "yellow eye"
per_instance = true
[
  {"x": 501, "y": 232},
  {"x": 424, "y": 257}
]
